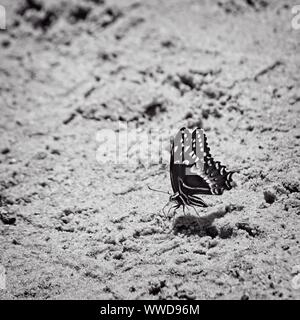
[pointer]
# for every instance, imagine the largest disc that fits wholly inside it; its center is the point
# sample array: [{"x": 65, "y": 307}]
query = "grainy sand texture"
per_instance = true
[{"x": 75, "y": 227}]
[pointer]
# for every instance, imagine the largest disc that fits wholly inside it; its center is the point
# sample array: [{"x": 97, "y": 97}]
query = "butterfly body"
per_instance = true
[{"x": 193, "y": 171}]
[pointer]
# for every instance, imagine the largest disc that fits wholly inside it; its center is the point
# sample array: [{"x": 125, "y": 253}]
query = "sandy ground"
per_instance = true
[{"x": 72, "y": 227}]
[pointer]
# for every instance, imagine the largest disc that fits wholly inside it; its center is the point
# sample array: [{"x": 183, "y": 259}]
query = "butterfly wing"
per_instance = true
[
  {"x": 208, "y": 176},
  {"x": 194, "y": 168},
  {"x": 180, "y": 159},
  {"x": 172, "y": 169},
  {"x": 176, "y": 170}
]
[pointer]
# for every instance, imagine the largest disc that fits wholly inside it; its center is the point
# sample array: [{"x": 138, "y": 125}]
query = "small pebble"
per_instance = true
[
  {"x": 15, "y": 242},
  {"x": 110, "y": 240},
  {"x": 212, "y": 243},
  {"x": 296, "y": 270},
  {"x": 296, "y": 282},
  {"x": 200, "y": 251},
  {"x": 5, "y": 150},
  {"x": 188, "y": 115},
  {"x": 55, "y": 152},
  {"x": 5, "y": 43},
  {"x": 7, "y": 217},
  {"x": 40, "y": 155},
  {"x": 186, "y": 294},
  {"x": 118, "y": 256},
  {"x": 263, "y": 205},
  {"x": 269, "y": 196}
]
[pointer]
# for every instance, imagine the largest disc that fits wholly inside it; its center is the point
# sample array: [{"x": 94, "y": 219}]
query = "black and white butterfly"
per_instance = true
[{"x": 193, "y": 171}]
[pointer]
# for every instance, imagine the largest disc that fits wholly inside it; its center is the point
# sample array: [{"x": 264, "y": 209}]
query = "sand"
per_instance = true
[{"x": 75, "y": 227}]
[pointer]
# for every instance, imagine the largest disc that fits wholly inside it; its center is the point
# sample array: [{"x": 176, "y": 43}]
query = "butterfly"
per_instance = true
[{"x": 193, "y": 171}]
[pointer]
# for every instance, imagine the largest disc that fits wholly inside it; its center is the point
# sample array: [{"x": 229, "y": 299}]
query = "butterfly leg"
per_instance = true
[
  {"x": 184, "y": 208},
  {"x": 176, "y": 207},
  {"x": 174, "y": 214},
  {"x": 164, "y": 207},
  {"x": 198, "y": 214},
  {"x": 198, "y": 221},
  {"x": 183, "y": 197},
  {"x": 166, "y": 215}
]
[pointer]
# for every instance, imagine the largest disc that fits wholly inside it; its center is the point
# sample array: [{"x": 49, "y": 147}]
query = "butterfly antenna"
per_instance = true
[{"x": 161, "y": 191}]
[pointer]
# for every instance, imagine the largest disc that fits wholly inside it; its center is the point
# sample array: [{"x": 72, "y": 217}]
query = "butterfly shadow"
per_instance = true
[{"x": 189, "y": 224}]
